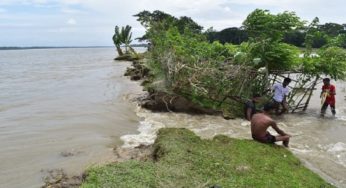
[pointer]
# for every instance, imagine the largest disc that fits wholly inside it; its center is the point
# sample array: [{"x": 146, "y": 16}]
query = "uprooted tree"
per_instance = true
[{"x": 218, "y": 76}]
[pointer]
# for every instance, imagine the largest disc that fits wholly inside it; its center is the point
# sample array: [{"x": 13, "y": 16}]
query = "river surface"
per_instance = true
[
  {"x": 61, "y": 108},
  {"x": 68, "y": 108}
]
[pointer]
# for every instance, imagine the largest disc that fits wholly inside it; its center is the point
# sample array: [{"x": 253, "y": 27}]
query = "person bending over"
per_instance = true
[{"x": 280, "y": 93}]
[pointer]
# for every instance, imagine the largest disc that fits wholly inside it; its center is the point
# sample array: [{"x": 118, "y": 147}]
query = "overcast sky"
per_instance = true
[{"x": 91, "y": 22}]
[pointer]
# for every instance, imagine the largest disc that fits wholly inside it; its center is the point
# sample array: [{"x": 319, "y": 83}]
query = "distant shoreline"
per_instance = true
[
  {"x": 58, "y": 47},
  {"x": 50, "y": 47}
]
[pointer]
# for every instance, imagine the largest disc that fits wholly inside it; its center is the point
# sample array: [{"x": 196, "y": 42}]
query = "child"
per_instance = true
[{"x": 328, "y": 91}]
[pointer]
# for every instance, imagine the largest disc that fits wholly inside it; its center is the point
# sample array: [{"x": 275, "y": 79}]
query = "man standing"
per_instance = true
[
  {"x": 328, "y": 95},
  {"x": 250, "y": 106},
  {"x": 280, "y": 93},
  {"x": 260, "y": 122}
]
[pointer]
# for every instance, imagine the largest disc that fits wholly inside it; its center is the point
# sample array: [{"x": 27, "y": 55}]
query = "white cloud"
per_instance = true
[
  {"x": 98, "y": 17},
  {"x": 71, "y": 21}
]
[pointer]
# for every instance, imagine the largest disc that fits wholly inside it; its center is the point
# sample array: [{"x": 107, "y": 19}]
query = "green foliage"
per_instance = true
[
  {"x": 184, "y": 23},
  {"x": 124, "y": 36},
  {"x": 266, "y": 32},
  {"x": 200, "y": 71},
  {"x": 311, "y": 29},
  {"x": 275, "y": 55},
  {"x": 339, "y": 41},
  {"x": 161, "y": 21},
  {"x": 127, "y": 175},
  {"x": 261, "y": 25},
  {"x": 315, "y": 38},
  {"x": 232, "y": 35},
  {"x": 296, "y": 37},
  {"x": 319, "y": 39},
  {"x": 184, "y": 62},
  {"x": 331, "y": 29},
  {"x": 182, "y": 159},
  {"x": 333, "y": 62},
  {"x": 329, "y": 61},
  {"x": 117, "y": 40}
]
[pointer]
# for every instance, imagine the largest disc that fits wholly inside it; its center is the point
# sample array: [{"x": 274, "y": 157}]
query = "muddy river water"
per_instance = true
[{"x": 68, "y": 108}]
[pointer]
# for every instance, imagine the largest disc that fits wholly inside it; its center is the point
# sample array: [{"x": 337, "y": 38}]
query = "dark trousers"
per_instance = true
[{"x": 325, "y": 106}]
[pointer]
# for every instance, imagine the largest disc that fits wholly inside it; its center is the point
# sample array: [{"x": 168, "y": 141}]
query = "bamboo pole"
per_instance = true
[{"x": 311, "y": 90}]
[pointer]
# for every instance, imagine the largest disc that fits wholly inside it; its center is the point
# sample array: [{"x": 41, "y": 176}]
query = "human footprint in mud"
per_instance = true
[{"x": 260, "y": 122}]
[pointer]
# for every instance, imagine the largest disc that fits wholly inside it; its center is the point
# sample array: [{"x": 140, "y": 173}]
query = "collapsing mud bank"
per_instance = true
[
  {"x": 162, "y": 101},
  {"x": 58, "y": 178}
]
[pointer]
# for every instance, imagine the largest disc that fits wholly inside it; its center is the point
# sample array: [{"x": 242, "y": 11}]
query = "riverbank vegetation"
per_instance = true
[
  {"x": 123, "y": 36},
  {"x": 182, "y": 159},
  {"x": 182, "y": 61}
]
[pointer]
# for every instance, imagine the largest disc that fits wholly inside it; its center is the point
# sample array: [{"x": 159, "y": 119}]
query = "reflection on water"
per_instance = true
[
  {"x": 319, "y": 142},
  {"x": 60, "y": 108}
]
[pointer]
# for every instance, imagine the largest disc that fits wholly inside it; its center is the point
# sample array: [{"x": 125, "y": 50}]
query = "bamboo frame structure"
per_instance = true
[{"x": 301, "y": 86}]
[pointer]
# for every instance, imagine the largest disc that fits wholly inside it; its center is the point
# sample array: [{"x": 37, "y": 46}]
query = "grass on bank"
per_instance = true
[{"x": 182, "y": 159}]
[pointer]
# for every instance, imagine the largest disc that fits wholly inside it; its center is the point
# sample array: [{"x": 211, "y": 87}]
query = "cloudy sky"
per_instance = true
[{"x": 91, "y": 22}]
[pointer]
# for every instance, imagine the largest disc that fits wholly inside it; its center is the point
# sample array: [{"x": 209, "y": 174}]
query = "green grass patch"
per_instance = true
[{"x": 182, "y": 159}]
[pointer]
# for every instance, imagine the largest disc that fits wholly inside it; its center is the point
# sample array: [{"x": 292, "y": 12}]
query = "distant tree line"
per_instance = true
[{"x": 322, "y": 35}]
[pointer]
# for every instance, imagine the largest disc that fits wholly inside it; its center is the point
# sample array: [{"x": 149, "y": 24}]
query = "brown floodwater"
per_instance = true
[
  {"x": 61, "y": 109},
  {"x": 68, "y": 108},
  {"x": 320, "y": 143}
]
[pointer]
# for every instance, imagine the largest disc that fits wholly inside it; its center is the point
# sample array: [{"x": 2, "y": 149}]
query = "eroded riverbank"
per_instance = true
[{"x": 318, "y": 142}]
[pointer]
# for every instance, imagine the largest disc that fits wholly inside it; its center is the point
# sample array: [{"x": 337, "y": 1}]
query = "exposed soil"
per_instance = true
[
  {"x": 58, "y": 178},
  {"x": 158, "y": 101},
  {"x": 126, "y": 57}
]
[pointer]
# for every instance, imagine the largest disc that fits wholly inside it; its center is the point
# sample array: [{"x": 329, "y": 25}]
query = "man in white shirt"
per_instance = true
[{"x": 280, "y": 93}]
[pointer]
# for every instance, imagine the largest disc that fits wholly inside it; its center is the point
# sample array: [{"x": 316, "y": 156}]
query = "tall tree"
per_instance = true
[
  {"x": 187, "y": 23},
  {"x": 123, "y": 36},
  {"x": 331, "y": 29},
  {"x": 260, "y": 24},
  {"x": 155, "y": 19},
  {"x": 266, "y": 32},
  {"x": 232, "y": 35},
  {"x": 295, "y": 37},
  {"x": 126, "y": 36},
  {"x": 159, "y": 21},
  {"x": 117, "y": 40}
]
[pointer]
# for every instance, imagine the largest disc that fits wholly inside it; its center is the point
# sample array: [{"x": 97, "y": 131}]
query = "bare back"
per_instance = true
[{"x": 259, "y": 124}]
